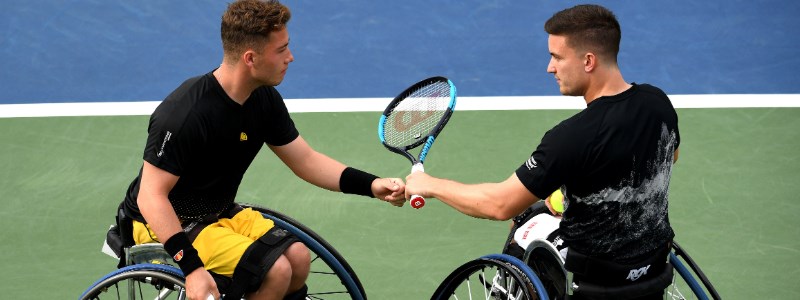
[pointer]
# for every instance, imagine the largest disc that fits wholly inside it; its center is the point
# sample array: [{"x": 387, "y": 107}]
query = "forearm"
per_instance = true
[
  {"x": 161, "y": 218},
  {"x": 321, "y": 170},
  {"x": 475, "y": 200},
  {"x": 159, "y": 215},
  {"x": 494, "y": 201}
]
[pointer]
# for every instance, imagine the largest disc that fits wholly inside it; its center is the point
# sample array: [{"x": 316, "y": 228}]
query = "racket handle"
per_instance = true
[{"x": 417, "y": 201}]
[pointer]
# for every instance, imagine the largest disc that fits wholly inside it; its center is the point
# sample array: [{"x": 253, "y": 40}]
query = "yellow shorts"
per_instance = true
[{"x": 220, "y": 245}]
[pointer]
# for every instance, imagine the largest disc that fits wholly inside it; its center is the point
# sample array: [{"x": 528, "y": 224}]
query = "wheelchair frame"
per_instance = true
[
  {"x": 168, "y": 280},
  {"x": 688, "y": 275}
]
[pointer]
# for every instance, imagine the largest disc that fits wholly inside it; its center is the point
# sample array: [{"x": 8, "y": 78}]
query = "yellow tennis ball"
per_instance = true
[{"x": 557, "y": 201}]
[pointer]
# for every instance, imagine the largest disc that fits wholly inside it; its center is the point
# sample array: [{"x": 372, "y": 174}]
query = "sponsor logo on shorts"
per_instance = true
[{"x": 635, "y": 274}]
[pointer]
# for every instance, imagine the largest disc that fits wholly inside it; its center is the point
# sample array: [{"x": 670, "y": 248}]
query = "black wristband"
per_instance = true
[
  {"x": 355, "y": 181},
  {"x": 185, "y": 255}
]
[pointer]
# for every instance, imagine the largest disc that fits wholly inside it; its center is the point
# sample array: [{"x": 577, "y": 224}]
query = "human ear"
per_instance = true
[
  {"x": 249, "y": 58},
  {"x": 589, "y": 62}
]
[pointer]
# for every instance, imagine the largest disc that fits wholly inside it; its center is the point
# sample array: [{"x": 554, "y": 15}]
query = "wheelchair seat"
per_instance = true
[
  {"x": 630, "y": 291},
  {"x": 538, "y": 272},
  {"x": 546, "y": 261},
  {"x": 141, "y": 273}
]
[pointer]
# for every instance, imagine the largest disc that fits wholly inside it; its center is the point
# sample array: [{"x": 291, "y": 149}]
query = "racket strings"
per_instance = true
[{"x": 416, "y": 116}]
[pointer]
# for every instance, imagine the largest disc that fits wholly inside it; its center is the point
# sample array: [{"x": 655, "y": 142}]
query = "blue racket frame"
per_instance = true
[{"x": 428, "y": 141}]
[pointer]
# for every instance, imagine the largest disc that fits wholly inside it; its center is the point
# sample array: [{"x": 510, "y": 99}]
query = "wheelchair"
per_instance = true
[
  {"x": 147, "y": 272},
  {"x": 540, "y": 274}
]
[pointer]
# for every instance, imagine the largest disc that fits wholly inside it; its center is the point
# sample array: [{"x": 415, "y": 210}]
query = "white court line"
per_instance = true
[{"x": 378, "y": 104}]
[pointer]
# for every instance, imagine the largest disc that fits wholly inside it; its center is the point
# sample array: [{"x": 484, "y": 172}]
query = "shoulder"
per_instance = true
[
  {"x": 654, "y": 97},
  {"x": 188, "y": 93},
  {"x": 182, "y": 103},
  {"x": 270, "y": 99},
  {"x": 191, "y": 88},
  {"x": 650, "y": 91},
  {"x": 571, "y": 133}
]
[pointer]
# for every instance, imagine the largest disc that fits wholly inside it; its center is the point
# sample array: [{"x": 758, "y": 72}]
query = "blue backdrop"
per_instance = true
[{"x": 112, "y": 50}]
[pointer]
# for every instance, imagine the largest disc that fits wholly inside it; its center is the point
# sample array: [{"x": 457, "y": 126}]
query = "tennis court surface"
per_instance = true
[{"x": 733, "y": 197}]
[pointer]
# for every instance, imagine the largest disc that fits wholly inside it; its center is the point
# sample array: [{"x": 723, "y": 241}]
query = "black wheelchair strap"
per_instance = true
[
  {"x": 257, "y": 260},
  {"x": 605, "y": 272},
  {"x": 124, "y": 230},
  {"x": 650, "y": 286}
]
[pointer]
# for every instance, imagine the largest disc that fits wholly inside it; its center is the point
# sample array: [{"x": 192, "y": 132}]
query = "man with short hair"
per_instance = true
[
  {"x": 201, "y": 140},
  {"x": 612, "y": 160}
]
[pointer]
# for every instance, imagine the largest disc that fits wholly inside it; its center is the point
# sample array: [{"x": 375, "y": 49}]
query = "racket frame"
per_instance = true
[
  {"x": 431, "y": 137},
  {"x": 417, "y": 162}
]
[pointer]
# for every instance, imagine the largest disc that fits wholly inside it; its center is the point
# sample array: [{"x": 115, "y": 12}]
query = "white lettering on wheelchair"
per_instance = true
[{"x": 635, "y": 274}]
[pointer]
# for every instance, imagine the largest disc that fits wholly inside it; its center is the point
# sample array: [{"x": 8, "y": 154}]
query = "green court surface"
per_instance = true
[{"x": 733, "y": 198}]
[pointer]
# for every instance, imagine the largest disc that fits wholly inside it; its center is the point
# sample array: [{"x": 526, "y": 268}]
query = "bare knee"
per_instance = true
[
  {"x": 276, "y": 284},
  {"x": 298, "y": 254},
  {"x": 300, "y": 259}
]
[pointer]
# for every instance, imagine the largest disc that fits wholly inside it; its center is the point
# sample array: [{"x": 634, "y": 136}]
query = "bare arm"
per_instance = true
[
  {"x": 325, "y": 172},
  {"x": 495, "y": 201},
  {"x": 160, "y": 216},
  {"x": 154, "y": 204},
  {"x": 314, "y": 167}
]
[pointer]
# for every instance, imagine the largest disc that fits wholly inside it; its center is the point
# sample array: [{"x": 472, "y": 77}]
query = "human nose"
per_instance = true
[{"x": 551, "y": 68}]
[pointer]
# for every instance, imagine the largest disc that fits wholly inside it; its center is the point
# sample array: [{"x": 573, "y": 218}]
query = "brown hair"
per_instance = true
[
  {"x": 588, "y": 27},
  {"x": 248, "y": 23}
]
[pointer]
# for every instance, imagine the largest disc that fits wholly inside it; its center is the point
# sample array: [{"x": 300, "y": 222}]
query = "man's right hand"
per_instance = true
[
  {"x": 550, "y": 207},
  {"x": 200, "y": 284}
]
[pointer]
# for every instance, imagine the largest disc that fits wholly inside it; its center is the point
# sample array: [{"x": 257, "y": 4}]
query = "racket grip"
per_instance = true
[{"x": 417, "y": 201}]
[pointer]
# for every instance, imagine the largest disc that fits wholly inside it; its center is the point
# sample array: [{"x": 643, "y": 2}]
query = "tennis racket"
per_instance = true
[{"x": 416, "y": 117}]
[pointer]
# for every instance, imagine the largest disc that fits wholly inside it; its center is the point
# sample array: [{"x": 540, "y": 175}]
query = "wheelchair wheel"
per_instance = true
[
  {"x": 143, "y": 281},
  {"x": 331, "y": 276},
  {"x": 545, "y": 261},
  {"x": 690, "y": 282},
  {"x": 496, "y": 276}
]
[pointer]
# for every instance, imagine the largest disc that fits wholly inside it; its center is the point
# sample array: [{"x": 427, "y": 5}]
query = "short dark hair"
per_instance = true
[
  {"x": 588, "y": 27},
  {"x": 248, "y": 23}
]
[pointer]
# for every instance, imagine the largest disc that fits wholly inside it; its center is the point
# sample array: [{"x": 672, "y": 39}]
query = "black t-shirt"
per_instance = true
[
  {"x": 613, "y": 162},
  {"x": 209, "y": 140}
]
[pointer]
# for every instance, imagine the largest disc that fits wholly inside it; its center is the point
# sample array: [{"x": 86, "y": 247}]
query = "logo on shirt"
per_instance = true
[
  {"x": 164, "y": 143},
  {"x": 242, "y": 137},
  {"x": 531, "y": 163}
]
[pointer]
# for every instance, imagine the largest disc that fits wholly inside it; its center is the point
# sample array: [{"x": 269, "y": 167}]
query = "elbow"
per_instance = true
[{"x": 500, "y": 213}]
